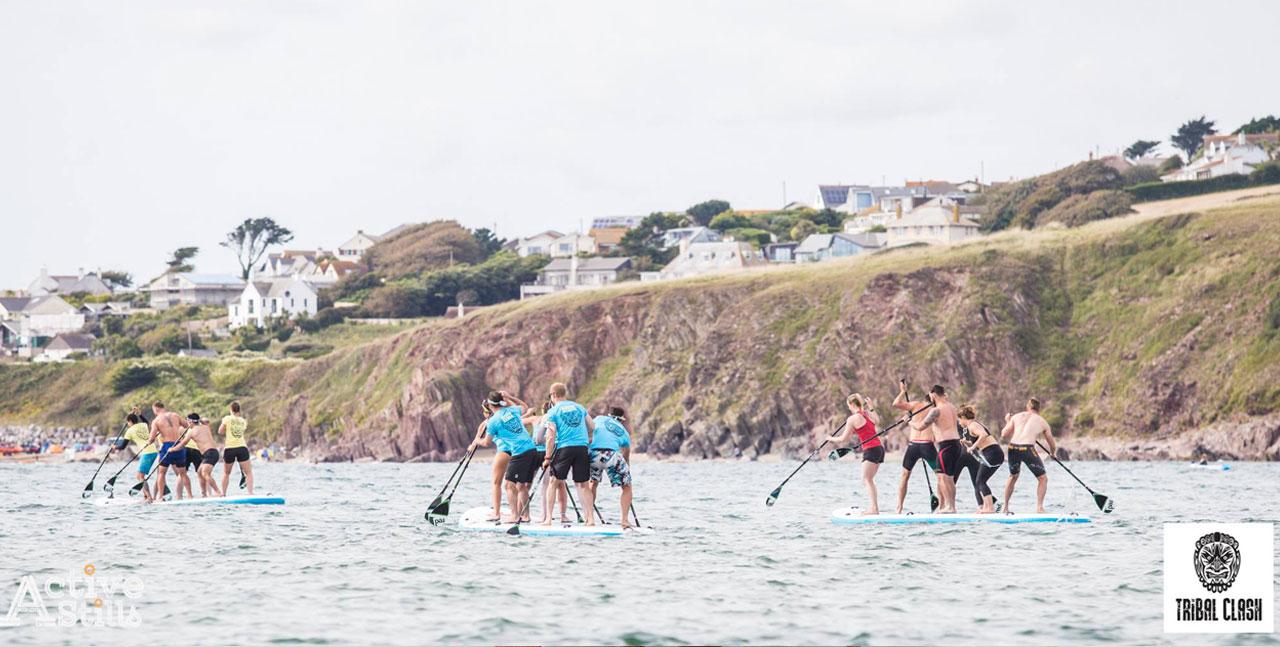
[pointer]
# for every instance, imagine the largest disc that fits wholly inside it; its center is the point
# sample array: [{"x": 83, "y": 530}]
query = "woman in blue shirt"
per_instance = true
[{"x": 500, "y": 420}]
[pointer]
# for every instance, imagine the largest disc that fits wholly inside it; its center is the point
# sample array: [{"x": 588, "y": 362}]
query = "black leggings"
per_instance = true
[
  {"x": 970, "y": 462},
  {"x": 995, "y": 457}
]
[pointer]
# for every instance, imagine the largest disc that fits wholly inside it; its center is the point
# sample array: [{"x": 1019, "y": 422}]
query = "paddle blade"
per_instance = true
[
  {"x": 109, "y": 485},
  {"x": 137, "y": 489},
  {"x": 933, "y": 503},
  {"x": 837, "y": 454},
  {"x": 88, "y": 490},
  {"x": 437, "y": 513},
  {"x": 242, "y": 479},
  {"x": 773, "y": 497},
  {"x": 168, "y": 496},
  {"x": 1104, "y": 502},
  {"x": 514, "y": 530}
]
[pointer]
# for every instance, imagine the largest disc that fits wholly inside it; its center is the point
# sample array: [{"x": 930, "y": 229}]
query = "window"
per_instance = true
[
  {"x": 304, "y": 304},
  {"x": 275, "y": 306},
  {"x": 250, "y": 306},
  {"x": 291, "y": 306}
]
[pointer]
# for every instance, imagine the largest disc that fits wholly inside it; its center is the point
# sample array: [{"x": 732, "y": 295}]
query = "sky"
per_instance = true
[{"x": 130, "y": 129}]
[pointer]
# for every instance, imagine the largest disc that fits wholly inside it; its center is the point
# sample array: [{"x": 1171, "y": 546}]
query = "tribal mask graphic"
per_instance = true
[{"x": 1217, "y": 561}]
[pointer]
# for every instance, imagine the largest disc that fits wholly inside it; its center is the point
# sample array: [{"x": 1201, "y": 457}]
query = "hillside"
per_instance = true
[
  {"x": 423, "y": 248},
  {"x": 1135, "y": 332}
]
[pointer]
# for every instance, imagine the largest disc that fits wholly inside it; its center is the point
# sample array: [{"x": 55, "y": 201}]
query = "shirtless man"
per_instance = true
[
  {"x": 1025, "y": 428},
  {"x": 203, "y": 437},
  {"x": 941, "y": 421},
  {"x": 920, "y": 447},
  {"x": 169, "y": 426}
]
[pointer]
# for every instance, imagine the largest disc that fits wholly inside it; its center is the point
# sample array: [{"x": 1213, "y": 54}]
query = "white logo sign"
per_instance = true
[
  {"x": 1219, "y": 577},
  {"x": 83, "y": 598}
]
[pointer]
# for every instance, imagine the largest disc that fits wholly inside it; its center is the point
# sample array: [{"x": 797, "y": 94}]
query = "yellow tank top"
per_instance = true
[
  {"x": 234, "y": 427},
  {"x": 191, "y": 444},
  {"x": 137, "y": 434}
]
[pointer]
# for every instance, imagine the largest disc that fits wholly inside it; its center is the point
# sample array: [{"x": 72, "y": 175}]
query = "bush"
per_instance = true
[
  {"x": 1263, "y": 174},
  {"x": 757, "y": 237},
  {"x": 1172, "y": 164},
  {"x": 729, "y": 220},
  {"x": 1020, "y": 202},
  {"x": 307, "y": 351},
  {"x": 162, "y": 340},
  {"x": 129, "y": 377},
  {"x": 1139, "y": 175},
  {"x": 1268, "y": 173},
  {"x": 284, "y": 334},
  {"x": 1080, "y": 209},
  {"x": 329, "y": 317}
]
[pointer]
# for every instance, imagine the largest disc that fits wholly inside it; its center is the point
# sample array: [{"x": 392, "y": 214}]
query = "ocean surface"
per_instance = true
[{"x": 349, "y": 560}]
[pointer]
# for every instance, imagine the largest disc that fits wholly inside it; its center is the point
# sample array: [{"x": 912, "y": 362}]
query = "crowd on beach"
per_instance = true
[{"x": 34, "y": 439}]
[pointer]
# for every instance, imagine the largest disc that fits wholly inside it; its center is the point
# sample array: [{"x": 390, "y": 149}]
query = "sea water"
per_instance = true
[{"x": 349, "y": 560}]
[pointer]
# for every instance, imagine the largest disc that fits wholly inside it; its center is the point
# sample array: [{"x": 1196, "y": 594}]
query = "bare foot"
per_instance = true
[
  {"x": 627, "y": 526},
  {"x": 590, "y": 523},
  {"x": 564, "y": 519},
  {"x": 507, "y": 520},
  {"x": 546, "y": 523},
  {"x": 897, "y": 510},
  {"x": 1041, "y": 511},
  {"x": 871, "y": 511},
  {"x": 493, "y": 518}
]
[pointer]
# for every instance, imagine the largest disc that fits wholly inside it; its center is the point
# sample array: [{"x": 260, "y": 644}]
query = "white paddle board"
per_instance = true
[
  {"x": 475, "y": 519},
  {"x": 231, "y": 500},
  {"x": 852, "y": 516}
]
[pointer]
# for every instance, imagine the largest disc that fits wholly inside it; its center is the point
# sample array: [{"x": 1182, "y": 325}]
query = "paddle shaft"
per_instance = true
[
  {"x": 455, "y": 473},
  {"x": 160, "y": 459},
  {"x": 464, "y": 472},
  {"x": 811, "y": 455},
  {"x": 542, "y": 478},
  {"x": 110, "y": 446},
  {"x": 1073, "y": 474}
]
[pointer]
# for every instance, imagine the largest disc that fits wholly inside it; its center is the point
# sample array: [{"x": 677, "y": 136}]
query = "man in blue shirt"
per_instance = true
[
  {"x": 569, "y": 429},
  {"x": 610, "y": 449}
]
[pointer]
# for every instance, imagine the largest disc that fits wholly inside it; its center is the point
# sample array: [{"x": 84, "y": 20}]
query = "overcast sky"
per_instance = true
[{"x": 128, "y": 129}]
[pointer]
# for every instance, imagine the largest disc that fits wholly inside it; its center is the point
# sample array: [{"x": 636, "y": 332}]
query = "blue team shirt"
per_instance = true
[
  {"x": 610, "y": 434},
  {"x": 571, "y": 424},
  {"x": 508, "y": 431}
]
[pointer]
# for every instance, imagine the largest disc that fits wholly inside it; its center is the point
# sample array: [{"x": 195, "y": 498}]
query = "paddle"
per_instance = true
[
  {"x": 568, "y": 490},
  {"x": 514, "y": 530},
  {"x": 88, "y": 489},
  {"x": 598, "y": 515},
  {"x": 133, "y": 491},
  {"x": 933, "y": 499},
  {"x": 109, "y": 486},
  {"x": 1103, "y": 501},
  {"x": 436, "y": 501},
  {"x": 841, "y": 452},
  {"x": 773, "y": 496},
  {"x": 242, "y": 479},
  {"x": 436, "y": 515},
  {"x": 635, "y": 516}
]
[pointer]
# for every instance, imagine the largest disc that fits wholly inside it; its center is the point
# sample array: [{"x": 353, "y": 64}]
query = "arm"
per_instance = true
[
  {"x": 1053, "y": 445},
  {"x": 871, "y": 412},
  {"x": 626, "y": 454},
  {"x": 924, "y": 422},
  {"x": 155, "y": 431},
  {"x": 516, "y": 401},
  {"x": 480, "y": 439},
  {"x": 902, "y": 402},
  {"x": 591, "y": 429},
  {"x": 850, "y": 423},
  {"x": 551, "y": 443},
  {"x": 1008, "y": 427}
]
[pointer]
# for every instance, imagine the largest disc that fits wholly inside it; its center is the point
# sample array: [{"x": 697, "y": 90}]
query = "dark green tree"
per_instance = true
[
  {"x": 729, "y": 220},
  {"x": 489, "y": 243},
  {"x": 703, "y": 212},
  {"x": 1140, "y": 148},
  {"x": 250, "y": 240},
  {"x": 117, "y": 279},
  {"x": 181, "y": 259},
  {"x": 1265, "y": 124},
  {"x": 1190, "y": 136}
]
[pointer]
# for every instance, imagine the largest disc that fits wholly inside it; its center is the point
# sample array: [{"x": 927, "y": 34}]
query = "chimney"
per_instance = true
[
  {"x": 573, "y": 271},
  {"x": 1244, "y": 139},
  {"x": 955, "y": 212},
  {"x": 899, "y": 208}
]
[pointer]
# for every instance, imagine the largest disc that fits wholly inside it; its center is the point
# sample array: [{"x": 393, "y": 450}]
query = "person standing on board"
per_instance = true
[
  {"x": 919, "y": 447},
  {"x": 138, "y": 433},
  {"x": 969, "y": 459},
  {"x": 610, "y": 449},
  {"x": 1024, "y": 429},
  {"x": 569, "y": 430},
  {"x": 202, "y": 436},
  {"x": 169, "y": 428},
  {"x": 985, "y": 449},
  {"x": 493, "y": 403},
  {"x": 942, "y": 417},
  {"x": 234, "y": 449},
  {"x": 862, "y": 421},
  {"x": 550, "y": 495},
  {"x": 510, "y": 437}
]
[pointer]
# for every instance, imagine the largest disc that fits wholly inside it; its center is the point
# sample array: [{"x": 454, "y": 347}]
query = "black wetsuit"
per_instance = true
[{"x": 970, "y": 462}]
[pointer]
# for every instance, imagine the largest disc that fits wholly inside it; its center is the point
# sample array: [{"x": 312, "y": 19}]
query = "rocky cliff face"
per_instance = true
[{"x": 1135, "y": 331}]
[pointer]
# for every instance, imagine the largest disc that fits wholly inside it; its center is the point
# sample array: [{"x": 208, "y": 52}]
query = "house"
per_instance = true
[
  {"x": 607, "y": 232},
  {"x": 190, "y": 289},
  {"x": 681, "y": 235},
  {"x": 696, "y": 259},
  {"x": 860, "y": 224},
  {"x": 289, "y": 263},
  {"x": 537, "y": 244},
  {"x": 794, "y": 205},
  {"x": 330, "y": 271},
  {"x": 27, "y": 323},
  {"x": 260, "y": 300},
  {"x": 933, "y": 187},
  {"x": 354, "y": 248},
  {"x": 781, "y": 252},
  {"x": 572, "y": 245},
  {"x": 970, "y": 186},
  {"x": 576, "y": 273},
  {"x": 95, "y": 311},
  {"x": 64, "y": 345},
  {"x": 197, "y": 352},
  {"x": 821, "y": 247},
  {"x": 934, "y": 225},
  {"x": 846, "y": 198},
  {"x": 1226, "y": 155},
  {"x": 80, "y": 283}
]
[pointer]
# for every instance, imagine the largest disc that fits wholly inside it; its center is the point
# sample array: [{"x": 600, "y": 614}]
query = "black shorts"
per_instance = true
[
  {"x": 1019, "y": 454},
  {"x": 576, "y": 457},
  {"x": 873, "y": 455},
  {"x": 210, "y": 457},
  {"x": 949, "y": 452},
  {"x": 993, "y": 455},
  {"x": 193, "y": 458},
  {"x": 520, "y": 468},
  {"x": 920, "y": 450},
  {"x": 235, "y": 455}
]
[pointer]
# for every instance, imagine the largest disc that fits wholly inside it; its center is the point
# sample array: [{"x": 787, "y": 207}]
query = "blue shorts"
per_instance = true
[
  {"x": 176, "y": 457},
  {"x": 145, "y": 463}
]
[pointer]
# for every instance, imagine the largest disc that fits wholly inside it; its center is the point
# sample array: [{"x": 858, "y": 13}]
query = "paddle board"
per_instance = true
[
  {"x": 1217, "y": 467},
  {"x": 231, "y": 500},
  {"x": 855, "y": 516},
  {"x": 475, "y": 520}
]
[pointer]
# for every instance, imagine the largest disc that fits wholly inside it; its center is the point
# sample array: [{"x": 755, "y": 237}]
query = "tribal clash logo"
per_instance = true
[{"x": 1217, "y": 561}]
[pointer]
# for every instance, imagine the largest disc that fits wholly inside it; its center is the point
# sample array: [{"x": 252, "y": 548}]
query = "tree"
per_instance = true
[
  {"x": 116, "y": 279},
  {"x": 250, "y": 240},
  {"x": 1265, "y": 124},
  {"x": 1190, "y": 136},
  {"x": 803, "y": 229},
  {"x": 180, "y": 257},
  {"x": 488, "y": 242},
  {"x": 1139, "y": 175},
  {"x": 1172, "y": 164},
  {"x": 729, "y": 220},
  {"x": 703, "y": 212},
  {"x": 1140, "y": 148}
]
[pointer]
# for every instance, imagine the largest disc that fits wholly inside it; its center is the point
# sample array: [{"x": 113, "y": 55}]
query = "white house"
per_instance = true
[
  {"x": 260, "y": 300},
  {"x": 821, "y": 247},
  {"x": 329, "y": 271},
  {"x": 934, "y": 225},
  {"x": 572, "y": 245},
  {"x": 27, "y": 323},
  {"x": 688, "y": 235},
  {"x": 538, "y": 243},
  {"x": 190, "y": 289},
  {"x": 696, "y": 259},
  {"x": 575, "y": 273},
  {"x": 80, "y": 283},
  {"x": 355, "y": 247},
  {"x": 1225, "y": 155},
  {"x": 64, "y": 345}
]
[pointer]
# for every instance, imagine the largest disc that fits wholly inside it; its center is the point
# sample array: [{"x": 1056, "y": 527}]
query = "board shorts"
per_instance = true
[
  {"x": 235, "y": 455},
  {"x": 210, "y": 457},
  {"x": 576, "y": 458},
  {"x": 608, "y": 460},
  {"x": 873, "y": 455},
  {"x": 194, "y": 458},
  {"x": 917, "y": 450},
  {"x": 1019, "y": 454},
  {"x": 949, "y": 457},
  {"x": 145, "y": 463},
  {"x": 520, "y": 468},
  {"x": 174, "y": 458}
]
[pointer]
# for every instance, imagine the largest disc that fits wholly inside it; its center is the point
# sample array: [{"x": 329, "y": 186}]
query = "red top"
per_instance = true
[{"x": 866, "y": 431}]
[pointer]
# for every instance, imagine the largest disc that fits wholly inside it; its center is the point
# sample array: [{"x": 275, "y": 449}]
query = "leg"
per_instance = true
[
  {"x": 902, "y": 489},
  {"x": 226, "y": 475},
  {"x": 160, "y": 485},
  {"x": 1041, "y": 487},
  {"x": 869, "y": 470},
  {"x": 247, "y": 470},
  {"x": 562, "y": 492},
  {"x": 626, "y": 506},
  {"x": 1008, "y": 491},
  {"x": 146, "y": 489},
  {"x": 498, "y": 471},
  {"x": 513, "y": 501},
  {"x": 588, "y": 503},
  {"x": 554, "y": 488}
]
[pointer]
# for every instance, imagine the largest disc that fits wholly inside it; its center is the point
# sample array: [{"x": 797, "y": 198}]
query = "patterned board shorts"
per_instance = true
[{"x": 603, "y": 460}]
